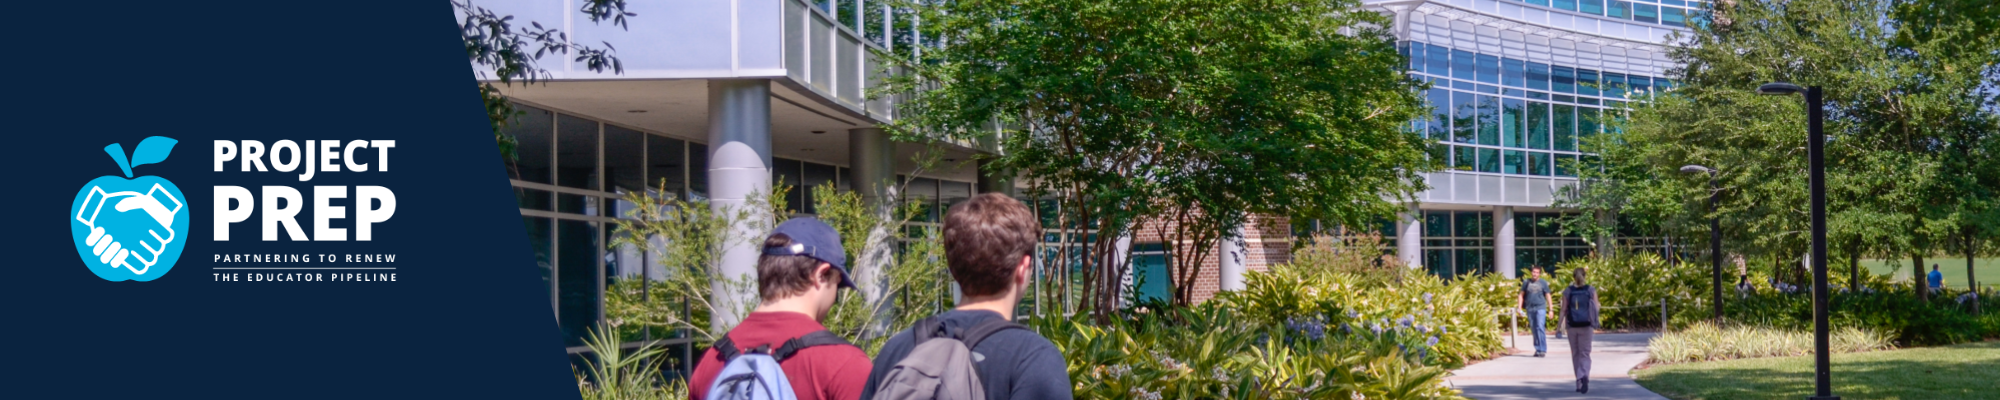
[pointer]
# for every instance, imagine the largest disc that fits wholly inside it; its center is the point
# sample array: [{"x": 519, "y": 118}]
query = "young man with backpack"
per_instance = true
[
  {"x": 780, "y": 351},
  {"x": 976, "y": 351}
]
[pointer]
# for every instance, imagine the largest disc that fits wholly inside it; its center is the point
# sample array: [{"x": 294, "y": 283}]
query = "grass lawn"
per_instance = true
[
  {"x": 1966, "y": 371},
  {"x": 1986, "y": 269}
]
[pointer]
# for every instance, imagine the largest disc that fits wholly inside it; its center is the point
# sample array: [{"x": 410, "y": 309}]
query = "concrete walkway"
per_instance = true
[{"x": 1523, "y": 376}]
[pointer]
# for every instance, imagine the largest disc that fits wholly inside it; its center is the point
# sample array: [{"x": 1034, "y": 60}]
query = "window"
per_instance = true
[
  {"x": 1565, "y": 79},
  {"x": 1565, "y": 125},
  {"x": 1586, "y": 82},
  {"x": 1440, "y": 125},
  {"x": 1514, "y": 163},
  {"x": 1149, "y": 272},
  {"x": 1614, "y": 85},
  {"x": 577, "y": 255},
  {"x": 1673, "y": 16},
  {"x": 1619, "y": 9},
  {"x": 1538, "y": 164},
  {"x": 1640, "y": 84},
  {"x": 1513, "y": 72},
  {"x": 666, "y": 168},
  {"x": 1489, "y": 68},
  {"x": 1462, "y": 64},
  {"x": 624, "y": 159},
  {"x": 1593, "y": 7},
  {"x": 1538, "y": 125},
  {"x": 1489, "y": 160},
  {"x": 534, "y": 135},
  {"x": 1489, "y": 120},
  {"x": 697, "y": 171},
  {"x": 1587, "y": 123},
  {"x": 1415, "y": 51},
  {"x": 1543, "y": 3},
  {"x": 1646, "y": 13},
  {"x": 1512, "y": 133},
  {"x": 1437, "y": 60},
  {"x": 576, "y": 152},
  {"x": 786, "y": 172},
  {"x": 1462, "y": 117},
  {"x": 1538, "y": 76},
  {"x": 815, "y": 175},
  {"x": 1566, "y": 165},
  {"x": 1566, "y": 5},
  {"x": 1463, "y": 158}
]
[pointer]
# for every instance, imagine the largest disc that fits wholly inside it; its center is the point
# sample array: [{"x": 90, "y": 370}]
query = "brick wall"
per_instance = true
[{"x": 1267, "y": 241}]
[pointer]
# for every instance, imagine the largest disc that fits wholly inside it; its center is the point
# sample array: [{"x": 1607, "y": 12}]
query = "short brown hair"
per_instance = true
[
  {"x": 984, "y": 240},
  {"x": 780, "y": 277}
]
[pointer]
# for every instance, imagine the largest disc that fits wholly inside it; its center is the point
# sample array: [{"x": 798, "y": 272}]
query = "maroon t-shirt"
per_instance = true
[{"x": 817, "y": 373}]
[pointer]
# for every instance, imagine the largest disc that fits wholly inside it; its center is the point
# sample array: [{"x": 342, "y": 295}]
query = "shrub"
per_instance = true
[
  {"x": 1630, "y": 286},
  {"x": 615, "y": 374},
  {"x": 1463, "y": 312},
  {"x": 1707, "y": 342},
  {"x": 1155, "y": 355}
]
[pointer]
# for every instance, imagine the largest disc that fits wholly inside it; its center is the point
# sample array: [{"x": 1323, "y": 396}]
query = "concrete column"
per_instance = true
[
  {"x": 739, "y": 175},
  {"x": 1122, "y": 257},
  {"x": 1410, "y": 237},
  {"x": 1503, "y": 241},
  {"x": 1235, "y": 259},
  {"x": 871, "y": 160}
]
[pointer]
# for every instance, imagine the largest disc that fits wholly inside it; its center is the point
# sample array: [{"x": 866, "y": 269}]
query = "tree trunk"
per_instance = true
[
  {"x": 1971, "y": 284},
  {"x": 1854, "y": 266},
  {"x": 1923, "y": 285}
]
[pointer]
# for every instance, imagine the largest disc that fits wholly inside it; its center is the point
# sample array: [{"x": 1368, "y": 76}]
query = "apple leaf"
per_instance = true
[
  {"x": 152, "y": 150},
  {"x": 118, "y": 154}
]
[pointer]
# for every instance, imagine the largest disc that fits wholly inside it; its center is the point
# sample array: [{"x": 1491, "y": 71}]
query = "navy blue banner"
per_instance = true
[{"x": 399, "y": 268}]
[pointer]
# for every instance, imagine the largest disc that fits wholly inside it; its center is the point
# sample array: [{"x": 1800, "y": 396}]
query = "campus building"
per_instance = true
[{"x": 720, "y": 99}]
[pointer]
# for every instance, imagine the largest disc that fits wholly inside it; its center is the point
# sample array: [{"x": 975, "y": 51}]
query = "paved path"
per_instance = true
[{"x": 1522, "y": 376}]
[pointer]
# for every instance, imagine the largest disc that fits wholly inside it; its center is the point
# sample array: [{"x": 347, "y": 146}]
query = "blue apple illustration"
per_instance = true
[{"x": 130, "y": 228}]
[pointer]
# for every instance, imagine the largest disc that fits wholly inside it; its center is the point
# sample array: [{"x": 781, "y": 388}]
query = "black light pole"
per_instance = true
[
  {"x": 1714, "y": 232},
  {"x": 1815, "y": 144}
]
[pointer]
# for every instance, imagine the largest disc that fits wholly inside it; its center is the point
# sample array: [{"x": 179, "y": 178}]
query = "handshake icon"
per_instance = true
[
  {"x": 132, "y": 214},
  {"x": 128, "y": 227}
]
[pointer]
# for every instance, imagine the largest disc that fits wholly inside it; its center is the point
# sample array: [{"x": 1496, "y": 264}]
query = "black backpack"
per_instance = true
[{"x": 1580, "y": 298}]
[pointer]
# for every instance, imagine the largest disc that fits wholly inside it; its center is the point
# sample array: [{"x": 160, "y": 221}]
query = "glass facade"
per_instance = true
[
  {"x": 1461, "y": 242},
  {"x": 1503, "y": 115},
  {"x": 1677, "y": 13},
  {"x": 572, "y": 174}
]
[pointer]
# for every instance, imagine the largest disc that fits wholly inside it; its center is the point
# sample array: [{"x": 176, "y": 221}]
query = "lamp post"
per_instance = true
[
  {"x": 1714, "y": 232},
  {"x": 1815, "y": 150}
]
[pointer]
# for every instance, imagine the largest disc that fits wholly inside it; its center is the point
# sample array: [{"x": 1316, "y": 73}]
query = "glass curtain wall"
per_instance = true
[{"x": 1501, "y": 115}]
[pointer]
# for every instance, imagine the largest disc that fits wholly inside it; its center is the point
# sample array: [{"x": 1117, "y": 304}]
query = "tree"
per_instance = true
[
  {"x": 1897, "y": 96},
  {"x": 1215, "y": 108},
  {"x": 513, "y": 52}
]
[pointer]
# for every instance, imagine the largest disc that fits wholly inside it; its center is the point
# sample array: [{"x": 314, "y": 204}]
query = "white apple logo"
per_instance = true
[{"x": 129, "y": 228}]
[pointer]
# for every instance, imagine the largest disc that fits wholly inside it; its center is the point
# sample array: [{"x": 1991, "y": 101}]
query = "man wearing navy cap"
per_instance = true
[{"x": 798, "y": 278}]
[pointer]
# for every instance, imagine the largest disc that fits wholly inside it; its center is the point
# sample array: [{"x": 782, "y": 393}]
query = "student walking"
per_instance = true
[
  {"x": 976, "y": 349},
  {"x": 1580, "y": 307},
  {"x": 1534, "y": 301},
  {"x": 798, "y": 279}
]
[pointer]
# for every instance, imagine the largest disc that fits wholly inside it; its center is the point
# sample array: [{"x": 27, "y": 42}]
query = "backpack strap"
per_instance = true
[
  {"x": 977, "y": 333},
  {"x": 725, "y": 349},
  {"x": 819, "y": 338},
  {"x": 925, "y": 329}
]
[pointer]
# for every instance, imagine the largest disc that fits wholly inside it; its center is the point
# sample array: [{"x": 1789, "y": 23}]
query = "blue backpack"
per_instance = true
[{"x": 753, "y": 374}]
